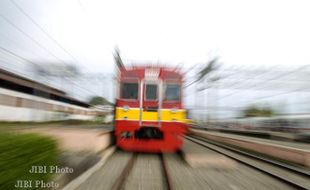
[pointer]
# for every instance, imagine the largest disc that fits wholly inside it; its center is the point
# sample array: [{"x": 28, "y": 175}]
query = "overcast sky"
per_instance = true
[
  {"x": 256, "y": 34},
  {"x": 240, "y": 32}
]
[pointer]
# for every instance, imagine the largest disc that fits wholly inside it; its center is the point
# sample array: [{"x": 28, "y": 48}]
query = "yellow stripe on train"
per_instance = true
[{"x": 166, "y": 115}]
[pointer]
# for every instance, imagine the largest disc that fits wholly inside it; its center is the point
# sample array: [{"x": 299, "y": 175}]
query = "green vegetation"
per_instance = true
[
  {"x": 255, "y": 111},
  {"x": 98, "y": 100},
  {"x": 5, "y": 124},
  {"x": 18, "y": 152}
]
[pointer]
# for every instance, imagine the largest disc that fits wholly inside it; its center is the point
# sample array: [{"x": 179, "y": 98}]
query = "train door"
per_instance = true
[
  {"x": 150, "y": 104},
  {"x": 150, "y": 90}
]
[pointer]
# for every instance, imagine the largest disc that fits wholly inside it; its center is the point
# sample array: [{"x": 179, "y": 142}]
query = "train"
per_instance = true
[{"x": 149, "y": 112}]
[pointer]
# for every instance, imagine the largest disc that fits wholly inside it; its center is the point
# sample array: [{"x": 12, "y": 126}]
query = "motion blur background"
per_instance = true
[
  {"x": 261, "y": 48},
  {"x": 246, "y": 65}
]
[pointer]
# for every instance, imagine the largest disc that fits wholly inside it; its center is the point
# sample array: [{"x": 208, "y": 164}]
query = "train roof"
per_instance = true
[
  {"x": 139, "y": 71},
  {"x": 150, "y": 66}
]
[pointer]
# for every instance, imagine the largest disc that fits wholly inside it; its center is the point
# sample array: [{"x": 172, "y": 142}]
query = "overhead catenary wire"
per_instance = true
[
  {"x": 43, "y": 30},
  {"x": 14, "y": 54},
  {"x": 280, "y": 84},
  {"x": 30, "y": 38},
  {"x": 28, "y": 60},
  {"x": 36, "y": 42}
]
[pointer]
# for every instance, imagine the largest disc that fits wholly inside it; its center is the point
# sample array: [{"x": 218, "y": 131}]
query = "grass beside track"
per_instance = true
[{"x": 18, "y": 152}]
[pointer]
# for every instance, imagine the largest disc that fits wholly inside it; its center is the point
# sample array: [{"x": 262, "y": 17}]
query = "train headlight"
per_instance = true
[{"x": 125, "y": 108}]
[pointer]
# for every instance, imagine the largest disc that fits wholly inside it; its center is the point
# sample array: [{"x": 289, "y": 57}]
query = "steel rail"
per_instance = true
[
  {"x": 295, "y": 169},
  {"x": 222, "y": 149},
  {"x": 166, "y": 173},
  {"x": 119, "y": 182}
]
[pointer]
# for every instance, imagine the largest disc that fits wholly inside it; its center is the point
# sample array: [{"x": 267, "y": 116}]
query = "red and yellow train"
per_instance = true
[{"x": 149, "y": 113}]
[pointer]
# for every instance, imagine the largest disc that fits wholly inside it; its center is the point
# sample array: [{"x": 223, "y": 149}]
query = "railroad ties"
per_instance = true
[{"x": 203, "y": 164}]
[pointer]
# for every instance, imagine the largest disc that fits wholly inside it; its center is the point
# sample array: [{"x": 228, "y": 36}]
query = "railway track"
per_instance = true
[
  {"x": 119, "y": 182},
  {"x": 294, "y": 176},
  {"x": 167, "y": 176},
  {"x": 122, "y": 179},
  {"x": 125, "y": 170}
]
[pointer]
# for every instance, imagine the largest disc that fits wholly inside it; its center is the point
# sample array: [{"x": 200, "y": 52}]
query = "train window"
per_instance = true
[
  {"x": 150, "y": 91},
  {"x": 173, "y": 92},
  {"x": 129, "y": 91}
]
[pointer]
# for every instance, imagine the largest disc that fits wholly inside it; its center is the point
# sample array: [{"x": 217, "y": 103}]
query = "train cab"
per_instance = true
[{"x": 149, "y": 114}]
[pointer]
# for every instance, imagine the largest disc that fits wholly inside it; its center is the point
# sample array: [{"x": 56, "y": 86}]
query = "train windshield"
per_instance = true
[
  {"x": 151, "y": 91},
  {"x": 129, "y": 91},
  {"x": 173, "y": 92}
]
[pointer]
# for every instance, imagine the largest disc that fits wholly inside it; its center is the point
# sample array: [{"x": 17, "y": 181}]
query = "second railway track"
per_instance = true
[
  {"x": 126, "y": 170},
  {"x": 299, "y": 178}
]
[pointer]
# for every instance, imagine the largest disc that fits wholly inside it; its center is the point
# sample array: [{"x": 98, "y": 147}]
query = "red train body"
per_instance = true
[{"x": 149, "y": 113}]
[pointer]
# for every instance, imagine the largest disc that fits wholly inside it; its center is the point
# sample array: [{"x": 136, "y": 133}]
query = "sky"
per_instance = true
[
  {"x": 85, "y": 32},
  {"x": 175, "y": 32}
]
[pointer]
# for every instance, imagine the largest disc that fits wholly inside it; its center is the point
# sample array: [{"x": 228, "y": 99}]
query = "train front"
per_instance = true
[{"x": 149, "y": 114}]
